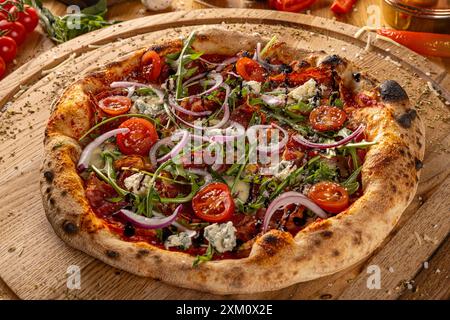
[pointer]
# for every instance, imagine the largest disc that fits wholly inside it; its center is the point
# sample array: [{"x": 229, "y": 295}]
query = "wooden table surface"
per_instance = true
[{"x": 431, "y": 286}]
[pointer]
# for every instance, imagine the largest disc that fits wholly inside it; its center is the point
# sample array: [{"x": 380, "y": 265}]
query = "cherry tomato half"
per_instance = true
[
  {"x": 139, "y": 140},
  {"x": 115, "y": 105},
  {"x": 151, "y": 65},
  {"x": 214, "y": 203},
  {"x": 28, "y": 17},
  {"x": 326, "y": 118},
  {"x": 14, "y": 30},
  {"x": 2, "y": 67},
  {"x": 8, "y": 48},
  {"x": 250, "y": 70},
  {"x": 330, "y": 196}
]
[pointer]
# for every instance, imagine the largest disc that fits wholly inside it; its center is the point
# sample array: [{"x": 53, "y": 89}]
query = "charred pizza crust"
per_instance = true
[{"x": 390, "y": 176}]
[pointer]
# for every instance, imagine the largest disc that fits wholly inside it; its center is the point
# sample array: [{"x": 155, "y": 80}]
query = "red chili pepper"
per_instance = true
[
  {"x": 291, "y": 5},
  {"x": 429, "y": 44},
  {"x": 342, "y": 6}
]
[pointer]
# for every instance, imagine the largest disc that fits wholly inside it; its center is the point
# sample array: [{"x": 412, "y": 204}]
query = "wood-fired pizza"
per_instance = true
[{"x": 230, "y": 163}]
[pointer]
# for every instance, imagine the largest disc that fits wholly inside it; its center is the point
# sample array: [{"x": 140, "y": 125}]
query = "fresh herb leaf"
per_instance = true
[
  {"x": 62, "y": 29},
  {"x": 206, "y": 257},
  {"x": 321, "y": 171},
  {"x": 301, "y": 107},
  {"x": 351, "y": 184}
]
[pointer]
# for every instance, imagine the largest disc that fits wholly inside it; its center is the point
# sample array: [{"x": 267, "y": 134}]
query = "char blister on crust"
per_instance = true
[{"x": 392, "y": 91}]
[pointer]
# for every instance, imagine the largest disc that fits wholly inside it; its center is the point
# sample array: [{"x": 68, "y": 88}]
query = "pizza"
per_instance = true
[{"x": 229, "y": 162}]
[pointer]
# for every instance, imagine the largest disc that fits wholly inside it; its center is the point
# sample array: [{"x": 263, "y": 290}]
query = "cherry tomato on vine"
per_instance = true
[
  {"x": 8, "y": 48},
  {"x": 214, "y": 203},
  {"x": 2, "y": 67},
  {"x": 7, "y": 6},
  {"x": 28, "y": 17},
  {"x": 15, "y": 30},
  {"x": 330, "y": 196}
]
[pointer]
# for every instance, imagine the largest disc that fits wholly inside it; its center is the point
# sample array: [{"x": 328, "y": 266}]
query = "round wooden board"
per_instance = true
[{"x": 34, "y": 261}]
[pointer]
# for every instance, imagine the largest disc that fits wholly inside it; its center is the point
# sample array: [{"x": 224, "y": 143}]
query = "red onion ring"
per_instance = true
[
  {"x": 196, "y": 77},
  {"x": 309, "y": 144},
  {"x": 168, "y": 141},
  {"x": 173, "y": 103},
  {"x": 218, "y": 80},
  {"x": 273, "y": 101},
  {"x": 225, "y": 63},
  {"x": 226, "y": 113},
  {"x": 127, "y": 84},
  {"x": 234, "y": 74},
  {"x": 83, "y": 162},
  {"x": 149, "y": 223},
  {"x": 179, "y": 226},
  {"x": 290, "y": 198},
  {"x": 257, "y": 57}
]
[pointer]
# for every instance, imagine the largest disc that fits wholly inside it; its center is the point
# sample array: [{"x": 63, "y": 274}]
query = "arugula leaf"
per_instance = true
[
  {"x": 301, "y": 107},
  {"x": 321, "y": 171},
  {"x": 206, "y": 257},
  {"x": 109, "y": 177},
  {"x": 181, "y": 61},
  {"x": 351, "y": 184}
]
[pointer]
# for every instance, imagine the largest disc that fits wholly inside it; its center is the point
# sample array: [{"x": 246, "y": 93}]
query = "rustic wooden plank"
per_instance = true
[
  {"x": 6, "y": 293},
  {"x": 433, "y": 280},
  {"x": 22, "y": 219},
  {"x": 402, "y": 257}
]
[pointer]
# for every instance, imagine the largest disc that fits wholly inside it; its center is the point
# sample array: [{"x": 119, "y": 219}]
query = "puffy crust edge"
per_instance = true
[{"x": 277, "y": 260}]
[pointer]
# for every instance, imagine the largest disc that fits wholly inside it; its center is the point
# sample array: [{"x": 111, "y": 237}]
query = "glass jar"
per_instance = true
[{"x": 418, "y": 15}]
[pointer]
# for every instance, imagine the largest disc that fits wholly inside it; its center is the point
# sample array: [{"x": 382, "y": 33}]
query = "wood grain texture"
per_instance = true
[
  {"x": 433, "y": 280},
  {"x": 414, "y": 243},
  {"x": 33, "y": 261}
]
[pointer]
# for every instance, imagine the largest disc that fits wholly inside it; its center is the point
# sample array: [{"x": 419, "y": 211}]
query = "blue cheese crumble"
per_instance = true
[
  {"x": 137, "y": 183},
  {"x": 221, "y": 236},
  {"x": 181, "y": 240}
]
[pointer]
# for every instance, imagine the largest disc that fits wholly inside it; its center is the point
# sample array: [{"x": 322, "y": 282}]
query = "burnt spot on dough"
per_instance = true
[
  {"x": 142, "y": 253},
  {"x": 69, "y": 227},
  {"x": 405, "y": 119},
  {"x": 48, "y": 190},
  {"x": 64, "y": 193},
  {"x": 418, "y": 164},
  {"x": 157, "y": 259},
  {"x": 272, "y": 243},
  {"x": 391, "y": 91},
  {"x": 326, "y": 234},
  {"x": 333, "y": 60},
  {"x": 49, "y": 176},
  {"x": 335, "y": 253},
  {"x": 51, "y": 201},
  {"x": 357, "y": 238},
  {"x": 112, "y": 254}
]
